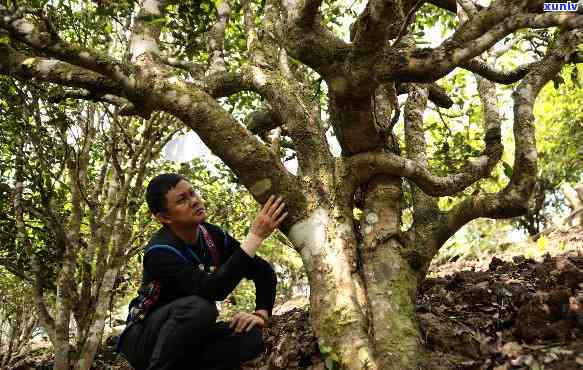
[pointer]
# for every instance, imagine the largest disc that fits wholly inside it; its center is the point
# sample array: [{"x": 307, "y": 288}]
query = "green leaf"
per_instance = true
[
  {"x": 508, "y": 170},
  {"x": 542, "y": 243}
]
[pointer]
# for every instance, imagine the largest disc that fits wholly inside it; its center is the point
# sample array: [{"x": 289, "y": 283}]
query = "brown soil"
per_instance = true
[
  {"x": 520, "y": 314},
  {"x": 515, "y": 315}
]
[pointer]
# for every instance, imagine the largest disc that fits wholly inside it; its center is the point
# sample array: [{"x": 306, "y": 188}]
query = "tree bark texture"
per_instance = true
[{"x": 344, "y": 212}]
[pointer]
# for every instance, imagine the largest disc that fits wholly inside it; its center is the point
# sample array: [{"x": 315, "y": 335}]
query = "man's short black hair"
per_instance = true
[{"x": 157, "y": 189}]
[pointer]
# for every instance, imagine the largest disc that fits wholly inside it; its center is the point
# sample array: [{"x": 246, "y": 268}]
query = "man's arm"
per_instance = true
[
  {"x": 180, "y": 278},
  {"x": 265, "y": 280},
  {"x": 262, "y": 275}
]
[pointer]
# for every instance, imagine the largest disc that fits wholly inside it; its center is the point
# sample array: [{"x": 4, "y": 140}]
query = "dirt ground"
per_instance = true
[{"x": 516, "y": 314}]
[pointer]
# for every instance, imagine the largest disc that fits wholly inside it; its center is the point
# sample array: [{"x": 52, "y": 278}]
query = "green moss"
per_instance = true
[{"x": 260, "y": 187}]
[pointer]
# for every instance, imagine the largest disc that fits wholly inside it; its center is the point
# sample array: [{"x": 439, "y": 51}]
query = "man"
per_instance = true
[{"x": 188, "y": 265}]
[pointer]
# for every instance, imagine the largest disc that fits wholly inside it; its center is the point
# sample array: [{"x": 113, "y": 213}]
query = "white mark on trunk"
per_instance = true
[
  {"x": 23, "y": 26},
  {"x": 84, "y": 55},
  {"x": 45, "y": 66},
  {"x": 151, "y": 6},
  {"x": 372, "y": 218},
  {"x": 140, "y": 45},
  {"x": 344, "y": 229},
  {"x": 28, "y": 62},
  {"x": 310, "y": 234},
  {"x": 259, "y": 79},
  {"x": 530, "y": 155},
  {"x": 409, "y": 168},
  {"x": 260, "y": 187}
]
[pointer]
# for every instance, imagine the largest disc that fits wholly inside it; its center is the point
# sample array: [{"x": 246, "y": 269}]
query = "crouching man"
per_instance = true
[{"x": 188, "y": 265}]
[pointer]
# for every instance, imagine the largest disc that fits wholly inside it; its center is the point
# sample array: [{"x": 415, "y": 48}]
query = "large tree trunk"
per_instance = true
[
  {"x": 362, "y": 291},
  {"x": 391, "y": 282},
  {"x": 337, "y": 297}
]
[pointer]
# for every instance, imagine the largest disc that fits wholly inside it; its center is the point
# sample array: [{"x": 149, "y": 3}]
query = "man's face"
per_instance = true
[{"x": 184, "y": 206}]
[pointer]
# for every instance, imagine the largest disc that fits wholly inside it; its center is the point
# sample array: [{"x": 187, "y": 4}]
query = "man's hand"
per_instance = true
[
  {"x": 269, "y": 218},
  {"x": 244, "y": 321}
]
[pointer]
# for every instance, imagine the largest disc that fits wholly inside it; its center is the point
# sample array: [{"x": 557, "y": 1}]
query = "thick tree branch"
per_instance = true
[
  {"x": 365, "y": 165},
  {"x": 513, "y": 200},
  {"x": 223, "y": 84},
  {"x": 306, "y": 39},
  {"x": 293, "y": 109},
  {"x": 468, "y": 7},
  {"x": 146, "y": 32},
  {"x": 195, "y": 69},
  {"x": 49, "y": 43},
  {"x": 257, "y": 167},
  {"x": 305, "y": 13},
  {"x": 379, "y": 21},
  {"x": 24, "y": 67},
  {"x": 474, "y": 37},
  {"x": 424, "y": 206},
  {"x": 450, "y": 5},
  {"x": 258, "y": 53},
  {"x": 494, "y": 75},
  {"x": 262, "y": 121}
]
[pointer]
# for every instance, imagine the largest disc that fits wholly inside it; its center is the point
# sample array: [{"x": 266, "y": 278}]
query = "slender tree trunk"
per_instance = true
[
  {"x": 122, "y": 235},
  {"x": 62, "y": 321}
]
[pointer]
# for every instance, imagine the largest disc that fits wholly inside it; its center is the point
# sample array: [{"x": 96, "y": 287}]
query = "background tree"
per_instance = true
[
  {"x": 364, "y": 271},
  {"x": 18, "y": 318},
  {"x": 560, "y": 138},
  {"x": 78, "y": 184}
]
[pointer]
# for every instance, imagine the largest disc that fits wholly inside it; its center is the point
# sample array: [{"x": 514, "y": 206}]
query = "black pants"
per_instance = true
[{"x": 183, "y": 335}]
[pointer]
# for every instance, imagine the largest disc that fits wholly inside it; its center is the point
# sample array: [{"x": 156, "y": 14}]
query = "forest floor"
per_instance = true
[{"x": 506, "y": 312}]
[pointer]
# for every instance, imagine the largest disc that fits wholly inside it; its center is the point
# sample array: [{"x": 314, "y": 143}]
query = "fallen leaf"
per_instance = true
[
  {"x": 550, "y": 357},
  {"x": 511, "y": 349}
]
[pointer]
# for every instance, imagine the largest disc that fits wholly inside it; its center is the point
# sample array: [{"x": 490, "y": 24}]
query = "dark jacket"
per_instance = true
[{"x": 179, "y": 278}]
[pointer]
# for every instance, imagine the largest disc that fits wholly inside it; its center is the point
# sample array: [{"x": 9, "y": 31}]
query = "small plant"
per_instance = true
[{"x": 330, "y": 357}]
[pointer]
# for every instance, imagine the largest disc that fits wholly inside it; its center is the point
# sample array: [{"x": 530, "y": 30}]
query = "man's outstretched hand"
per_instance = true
[
  {"x": 269, "y": 218},
  {"x": 244, "y": 321}
]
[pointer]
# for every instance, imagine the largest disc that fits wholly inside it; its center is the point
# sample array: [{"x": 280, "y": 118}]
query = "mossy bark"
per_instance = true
[{"x": 362, "y": 294}]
